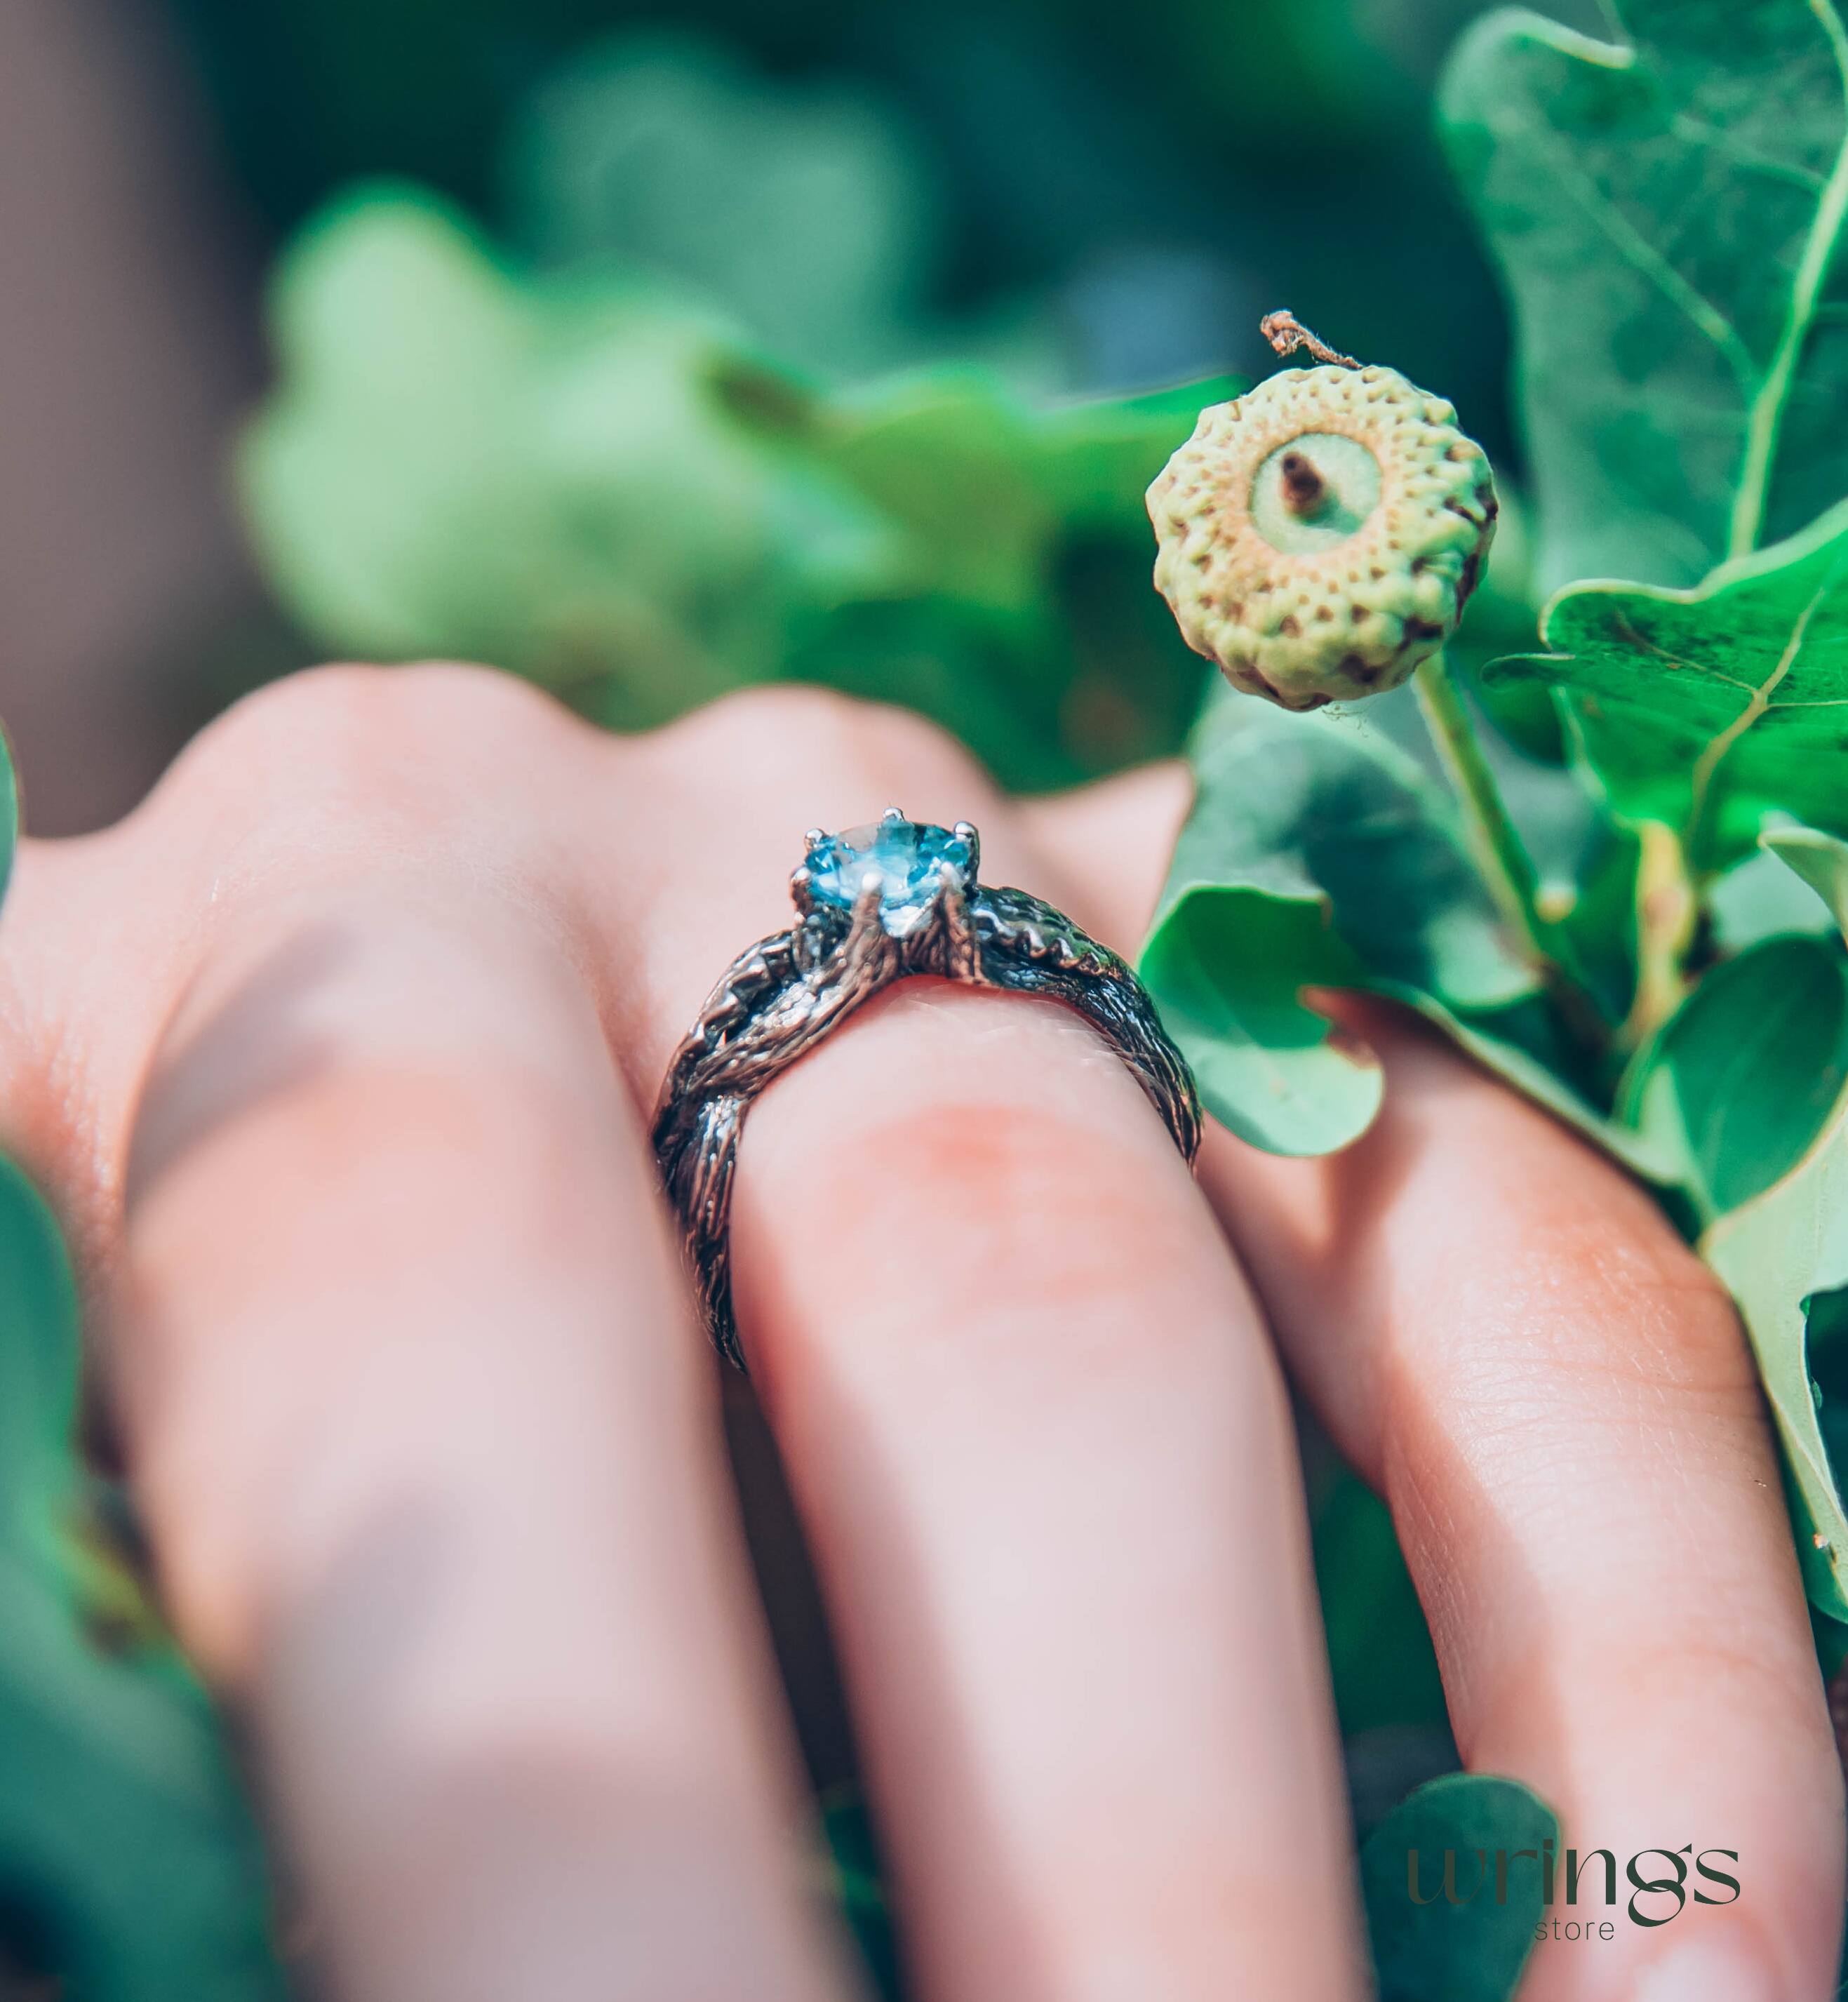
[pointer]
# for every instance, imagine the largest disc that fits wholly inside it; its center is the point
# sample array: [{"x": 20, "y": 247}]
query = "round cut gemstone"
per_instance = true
[{"x": 907, "y": 857}]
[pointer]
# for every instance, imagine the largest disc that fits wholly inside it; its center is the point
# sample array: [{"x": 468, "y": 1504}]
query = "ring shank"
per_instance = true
[{"x": 790, "y": 991}]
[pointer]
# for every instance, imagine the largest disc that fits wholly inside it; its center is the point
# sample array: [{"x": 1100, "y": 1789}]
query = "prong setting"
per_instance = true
[
  {"x": 907, "y": 861},
  {"x": 866, "y": 922},
  {"x": 879, "y": 903}
]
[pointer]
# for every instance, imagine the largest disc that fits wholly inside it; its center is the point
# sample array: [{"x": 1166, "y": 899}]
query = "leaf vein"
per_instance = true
[
  {"x": 1644, "y": 258},
  {"x": 1709, "y": 761}
]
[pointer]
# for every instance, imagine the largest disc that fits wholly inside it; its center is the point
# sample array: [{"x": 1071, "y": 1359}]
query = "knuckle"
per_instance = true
[
  {"x": 814, "y": 725},
  {"x": 1557, "y": 1267},
  {"x": 340, "y": 765},
  {"x": 362, "y": 731},
  {"x": 326, "y": 1025},
  {"x": 1641, "y": 1315}
]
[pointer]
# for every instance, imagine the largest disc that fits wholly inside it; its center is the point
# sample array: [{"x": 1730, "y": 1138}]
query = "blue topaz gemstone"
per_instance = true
[{"x": 907, "y": 855}]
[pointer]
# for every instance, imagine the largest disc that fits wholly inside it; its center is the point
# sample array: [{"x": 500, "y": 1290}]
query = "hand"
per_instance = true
[{"x": 335, "y": 1058}]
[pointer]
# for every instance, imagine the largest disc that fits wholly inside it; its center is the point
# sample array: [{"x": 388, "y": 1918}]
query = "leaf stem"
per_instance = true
[
  {"x": 1668, "y": 915},
  {"x": 1501, "y": 856}
]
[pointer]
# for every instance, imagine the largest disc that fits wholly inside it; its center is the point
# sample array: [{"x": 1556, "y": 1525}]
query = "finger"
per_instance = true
[
  {"x": 420, "y": 1429},
  {"x": 1554, "y": 1395},
  {"x": 1555, "y": 1398},
  {"x": 1034, "y": 1427}
]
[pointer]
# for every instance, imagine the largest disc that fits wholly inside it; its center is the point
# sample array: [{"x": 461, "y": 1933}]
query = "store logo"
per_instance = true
[{"x": 1653, "y": 1887}]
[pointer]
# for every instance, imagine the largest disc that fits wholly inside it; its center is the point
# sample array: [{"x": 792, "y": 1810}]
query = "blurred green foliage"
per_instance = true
[
  {"x": 130, "y": 1864},
  {"x": 688, "y": 346},
  {"x": 1473, "y": 1950},
  {"x": 595, "y": 484},
  {"x": 1145, "y": 181},
  {"x": 131, "y": 1868},
  {"x": 804, "y": 212}
]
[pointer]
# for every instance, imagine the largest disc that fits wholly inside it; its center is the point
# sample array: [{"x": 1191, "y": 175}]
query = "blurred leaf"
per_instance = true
[
  {"x": 1666, "y": 215},
  {"x": 955, "y": 462},
  {"x": 1709, "y": 708},
  {"x": 128, "y": 1862},
  {"x": 10, "y": 814},
  {"x": 1742, "y": 1077},
  {"x": 860, "y": 1885},
  {"x": 982, "y": 488},
  {"x": 801, "y": 212},
  {"x": 1098, "y": 456},
  {"x": 548, "y": 480},
  {"x": 610, "y": 495},
  {"x": 1474, "y": 1949},
  {"x": 1381, "y": 1661}
]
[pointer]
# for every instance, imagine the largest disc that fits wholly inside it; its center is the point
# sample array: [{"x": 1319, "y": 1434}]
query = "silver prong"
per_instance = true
[
  {"x": 867, "y": 899},
  {"x": 801, "y": 880},
  {"x": 892, "y": 813},
  {"x": 965, "y": 830},
  {"x": 814, "y": 836},
  {"x": 962, "y": 960}
]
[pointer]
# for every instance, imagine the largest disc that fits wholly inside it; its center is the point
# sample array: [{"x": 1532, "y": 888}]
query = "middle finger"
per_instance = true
[{"x": 1032, "y": 1421}]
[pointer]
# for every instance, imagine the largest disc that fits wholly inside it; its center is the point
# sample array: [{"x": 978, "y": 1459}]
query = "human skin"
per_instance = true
[{"x": 336, "y": 1058}]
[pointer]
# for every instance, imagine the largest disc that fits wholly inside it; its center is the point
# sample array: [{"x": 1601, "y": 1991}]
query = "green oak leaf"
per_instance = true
[
  {"x": 1780, "y": 1255},
  {"x": 1819, "y": 859},
  {"x": 1713, "y": 708},
  {"x": 129, "y": 1864},
  {"x": 1743, "y": 1076},
  {"x": 1761, "y": 898},
  {"x": 1319, "y": 855},
  {"x": 1474, "y": 1949},
  {"x": 1666, "y": 211},
  {"x": 1227, "y": 964},
  {"x": 1316, "y": 855}
]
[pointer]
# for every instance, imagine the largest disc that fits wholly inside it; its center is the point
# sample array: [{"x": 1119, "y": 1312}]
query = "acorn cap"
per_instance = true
[{"x": 1319, "y": 537}]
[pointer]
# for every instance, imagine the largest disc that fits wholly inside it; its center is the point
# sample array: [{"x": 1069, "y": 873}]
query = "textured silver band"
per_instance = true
[{"x": 780, "y": 999}]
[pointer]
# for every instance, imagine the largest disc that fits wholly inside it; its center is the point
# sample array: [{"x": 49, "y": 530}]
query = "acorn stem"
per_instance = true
[
  {"x": 1502, "y": 859},
  {"x": 1286, "y": 333}
]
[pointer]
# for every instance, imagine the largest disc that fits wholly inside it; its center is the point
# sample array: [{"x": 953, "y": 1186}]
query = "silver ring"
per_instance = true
[{"x": 874, "y": 905}]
